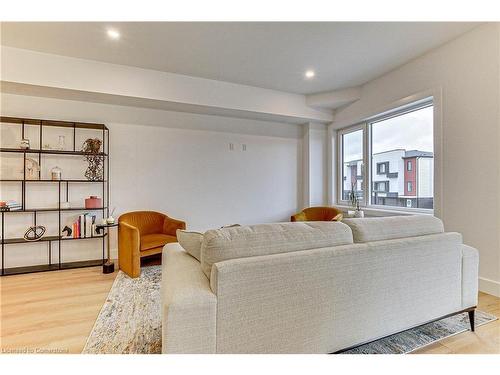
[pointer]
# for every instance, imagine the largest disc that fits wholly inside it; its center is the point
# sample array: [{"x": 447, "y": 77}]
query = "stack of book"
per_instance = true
[
  {"x": 10, "y": 206},
  {"x": 84, "y": 226}
]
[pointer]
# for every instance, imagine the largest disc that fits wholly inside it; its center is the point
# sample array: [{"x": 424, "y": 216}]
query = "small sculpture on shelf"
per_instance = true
[
  {"x": 34, "y": 233},
  {"x": 25, "y": 144},
  {"x": 92, "y": 147},
  {"x": 32, "y": 169},
  {"x": 67, "y": 231}
]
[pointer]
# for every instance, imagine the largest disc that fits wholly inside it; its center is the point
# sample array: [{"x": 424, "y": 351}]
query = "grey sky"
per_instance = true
[{"x": 411, "y": 131}]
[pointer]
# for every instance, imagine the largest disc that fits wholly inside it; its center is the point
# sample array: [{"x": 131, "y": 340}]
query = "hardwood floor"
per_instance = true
[
  {"x": 485, "y": 340},
  {"x": 51, "y": 311},
  {"x": 55, "y": 312}
]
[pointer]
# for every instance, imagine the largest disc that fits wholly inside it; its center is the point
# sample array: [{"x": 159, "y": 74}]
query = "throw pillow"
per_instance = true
[
  {"x": 191, "y": 242},
  {"x": 338, "y": 217}
]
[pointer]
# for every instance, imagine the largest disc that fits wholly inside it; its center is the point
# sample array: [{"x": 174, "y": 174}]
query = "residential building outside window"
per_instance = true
[
  {"x": 399, "y": 156},
  {"x": 352, "y": 161}
]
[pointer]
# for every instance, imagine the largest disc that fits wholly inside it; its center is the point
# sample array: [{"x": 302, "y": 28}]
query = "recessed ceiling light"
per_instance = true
[
  {"x": 310, "y": 73},
  {"x": 113, "y": 34}
]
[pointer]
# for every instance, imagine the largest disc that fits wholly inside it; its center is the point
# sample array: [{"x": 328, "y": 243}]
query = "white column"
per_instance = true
[{"x": 315, "y": 165}]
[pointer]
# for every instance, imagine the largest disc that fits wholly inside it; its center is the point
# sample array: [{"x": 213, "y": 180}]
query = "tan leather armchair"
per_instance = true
[
  {"x": 318, "y": 214},
  {"x": 143, "y": 233}
]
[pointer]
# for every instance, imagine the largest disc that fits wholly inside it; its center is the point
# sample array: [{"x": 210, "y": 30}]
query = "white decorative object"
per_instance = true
[
  {"x": 56, "y": 173},
  {"x": 359, "y": 214},
  {"x": 32, "y": 169},
  {"x": 62, "y": 142},
  {"x": 25, "y": 144},
  {"x": 111, "y": 219},
  {"x": 65, "y": 205}
]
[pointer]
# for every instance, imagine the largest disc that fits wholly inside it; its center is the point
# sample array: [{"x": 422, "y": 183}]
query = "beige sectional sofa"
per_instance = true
[{"x": 313, "y": 287}]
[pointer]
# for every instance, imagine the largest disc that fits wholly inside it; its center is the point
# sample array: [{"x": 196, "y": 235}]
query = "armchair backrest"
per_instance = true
[
  {"x": 148, "y": 222},
  {"x": 321, "y": 213}
]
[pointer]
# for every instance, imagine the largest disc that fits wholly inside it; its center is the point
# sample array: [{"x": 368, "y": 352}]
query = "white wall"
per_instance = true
[
  {"x": 190, "y": 173},
  {"x": 466, "y": 71}
]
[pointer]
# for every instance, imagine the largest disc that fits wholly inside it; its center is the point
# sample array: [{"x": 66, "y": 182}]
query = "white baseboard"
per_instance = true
[{"x": 489, "y": 286}]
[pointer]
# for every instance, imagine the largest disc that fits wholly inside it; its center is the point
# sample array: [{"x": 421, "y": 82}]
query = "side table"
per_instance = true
[{"x": 109, "y": 266}]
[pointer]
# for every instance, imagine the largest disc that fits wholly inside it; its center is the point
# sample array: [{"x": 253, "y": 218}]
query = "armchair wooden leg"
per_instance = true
[{"x": 471, "y": 319}]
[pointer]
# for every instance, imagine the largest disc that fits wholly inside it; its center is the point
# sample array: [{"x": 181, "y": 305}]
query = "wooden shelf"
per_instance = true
[
  {"x": 52, "y": 152},
  {"x": 52, "y": 267},
  {"x": 8, "y": 241}
]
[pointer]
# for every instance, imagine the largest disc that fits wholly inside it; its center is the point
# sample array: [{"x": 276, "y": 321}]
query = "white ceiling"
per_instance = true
[{"x": 269, "y": 55}]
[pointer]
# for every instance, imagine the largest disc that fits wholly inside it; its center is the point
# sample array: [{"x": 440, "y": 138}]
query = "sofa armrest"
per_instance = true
[
  {"x": 129, "y": 257},
  {"x": 170, "y": 225},
  {"x": 470, "y": 277},
  {"x": 188, "y": 304}
]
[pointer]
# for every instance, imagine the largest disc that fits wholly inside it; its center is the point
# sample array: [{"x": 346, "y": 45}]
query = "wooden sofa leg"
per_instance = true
[{"x": 471, "y": 319}]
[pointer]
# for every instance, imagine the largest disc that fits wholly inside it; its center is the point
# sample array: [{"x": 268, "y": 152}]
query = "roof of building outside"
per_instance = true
[
  {"x": 408, "y": 154},
  {"x": 418, "y": 154},
  {"x": 385, "y": 152}
]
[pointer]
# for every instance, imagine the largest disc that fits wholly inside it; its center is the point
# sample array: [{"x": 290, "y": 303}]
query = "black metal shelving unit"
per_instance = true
[{"x": 51, "y": 266}]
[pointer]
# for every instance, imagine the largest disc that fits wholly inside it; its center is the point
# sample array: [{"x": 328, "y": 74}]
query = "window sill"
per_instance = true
[{"x": 377, "y": 211}]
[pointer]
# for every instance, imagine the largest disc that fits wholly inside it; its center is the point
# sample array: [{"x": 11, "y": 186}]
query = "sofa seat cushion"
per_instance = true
[
  {"x": 151, "y": 241},
  {"x": 392, "y": 227},
  {"x": 266, "y": 239}
]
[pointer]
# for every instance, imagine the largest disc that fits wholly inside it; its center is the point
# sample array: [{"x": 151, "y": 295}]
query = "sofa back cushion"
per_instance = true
[
  {"x": 265, "y": 239},
  {"x": 191, "y": 242},
  {"x": 392, "y": 227}
]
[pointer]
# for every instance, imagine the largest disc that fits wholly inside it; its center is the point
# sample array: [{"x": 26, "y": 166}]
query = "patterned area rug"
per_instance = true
[{"x": 130, "y": 322}]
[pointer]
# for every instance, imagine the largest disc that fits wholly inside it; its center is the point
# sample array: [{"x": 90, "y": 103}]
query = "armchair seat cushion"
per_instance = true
[{"x": 151, "y": 241}]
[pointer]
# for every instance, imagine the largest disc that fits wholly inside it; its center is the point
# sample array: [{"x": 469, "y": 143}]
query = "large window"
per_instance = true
[{"x": 398, "y": 150}]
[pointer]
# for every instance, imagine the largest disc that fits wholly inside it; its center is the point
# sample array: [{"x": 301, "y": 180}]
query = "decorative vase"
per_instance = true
[
  {"x": 56, "y": 173},
  {"x": 359, "y": 214},
  {"x": 62, "y": 142},
  {"x": 93, "y": 202}
]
